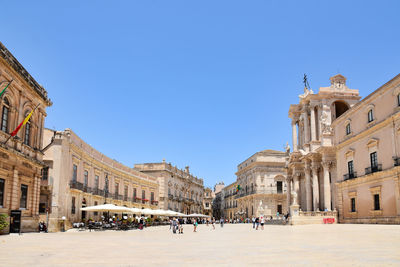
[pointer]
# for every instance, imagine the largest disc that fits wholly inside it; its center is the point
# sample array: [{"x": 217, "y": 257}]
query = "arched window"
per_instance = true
[
  {"x": 370, "y": 115},
  {"x": 27, "y": 135},
  {"x": 4, "y": 115},
  {"x": 398, "y": 99},
  {"x": 348, "y": 129}
]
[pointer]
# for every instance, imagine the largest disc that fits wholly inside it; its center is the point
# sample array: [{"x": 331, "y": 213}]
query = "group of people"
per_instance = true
[
  {"x": 257, "y": 221},
  {"x": 176, "y": 224}
]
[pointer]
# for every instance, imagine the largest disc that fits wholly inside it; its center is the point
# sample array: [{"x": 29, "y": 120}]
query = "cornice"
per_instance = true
[
  {"x": 6, "y": 55},
  {"x": 120, "y": 174}
]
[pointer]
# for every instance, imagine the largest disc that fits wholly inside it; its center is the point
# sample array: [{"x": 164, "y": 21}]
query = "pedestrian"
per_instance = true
[
  {"x": 221, "y": 221},
  {"x": 254, "y": 222},
  {"x": 195, "y": 225},
  {"x": 213, "y": 223},
  {"x": 180, "y": 226},
  {"x": 262, "y": 221},
  {"x": 257, "y": 222},
  {"x": 174, "y": 225},
  {"x": 277, "y": 215},
  {"x": 208, "y": 220}
]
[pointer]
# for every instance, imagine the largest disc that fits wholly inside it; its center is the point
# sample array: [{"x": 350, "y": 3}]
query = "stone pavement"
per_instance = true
[{"x": 233, "y": 245}]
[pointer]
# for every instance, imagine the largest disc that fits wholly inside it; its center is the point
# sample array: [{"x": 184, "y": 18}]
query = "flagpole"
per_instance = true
[
  {"x": 2, "y": 92},
  {"x": 22, "y": 121}
]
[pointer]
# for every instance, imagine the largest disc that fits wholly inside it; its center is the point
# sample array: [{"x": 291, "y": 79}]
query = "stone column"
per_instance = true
[
  {"x": 288, "y": 192},
  {"x": 34, "y": 196},
  {"x": 313, "y": 130},
  {"x": 327, "y": 186},
  {"x": 15, "y": 191},
  {"x": 315, "y": 188},
  {"x": 294, "y": 135},
  {"x": 307, "y": 173},
  {"x": 296, "y": 188},
  {"x": 306, "y": 127}
]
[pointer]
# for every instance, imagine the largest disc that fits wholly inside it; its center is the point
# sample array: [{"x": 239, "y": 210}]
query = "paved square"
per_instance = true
[{"x": 233, "y": 245}]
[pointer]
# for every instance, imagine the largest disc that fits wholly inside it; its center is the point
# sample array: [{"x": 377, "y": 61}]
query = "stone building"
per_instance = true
[
  {"x": 208, "y": 198},
  {"x": 78, "y": 176},
  {"x": 262, "y": 182},
  {"x": 21, "y": 157},
  {"x": 312, "y": 164},
  {"x": 230, "y": 203},
  {"x": 367, "y": 141},
  {"x": 179, "y": 189}
]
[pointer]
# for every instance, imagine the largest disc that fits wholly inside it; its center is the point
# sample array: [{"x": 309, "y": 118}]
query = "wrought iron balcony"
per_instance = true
[
  {"x": 86, "y": 189},
  {"x": 349, "y": 176},
  {"x": 170, "y": 196},
  {"x": 372, "y": 169},
  {"x": 76, "y": 185}
]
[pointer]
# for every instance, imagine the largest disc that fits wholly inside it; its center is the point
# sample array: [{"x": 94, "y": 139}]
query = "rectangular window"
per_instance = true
[
  {"x": 152, "y": 196},
  {"x": 95, "y": 213},
  {"x": 398, "y": 99},
  {"x": 370, "y": 115},
  {"x": 85, "y": 178},
  {"x": 27, "y": 134},
  {"x": 279, "y": 187},
  {"x": 96, "y": 182},
  {"x": 126, "y": 193},
  {"x": 106, "y": 184},
  {"x": 207, "y": 204},
  {"x": 377, "y": 205},
  {"x": 353, "y": 205},
  {"x": 348, "y": 129},
  {"x": 374, "y": 160},
  {"x": 2, "y": 185},
  {"x": 143, "y": 194},
  {"x": 45, "y": 173},
  {"x": 134, "y": 193},
  {"x": 24, "y": 196},
  {"x": 350, "y": 168},
  {"x": 73, "y": 205},
  {"x": 74, "y": 173},
  {"x": 116, "y": 188}
]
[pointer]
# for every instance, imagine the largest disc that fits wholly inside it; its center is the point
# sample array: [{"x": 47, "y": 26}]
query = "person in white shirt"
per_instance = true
[{"x": 262, "y": 221}]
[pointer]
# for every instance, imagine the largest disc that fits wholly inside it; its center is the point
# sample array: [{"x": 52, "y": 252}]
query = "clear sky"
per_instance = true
[{"x": 199, "y": 83}]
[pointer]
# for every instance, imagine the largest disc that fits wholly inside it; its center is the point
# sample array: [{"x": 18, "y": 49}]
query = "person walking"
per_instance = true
[
  {"x": 262, "y": 221},
  {"x": 257, "y": 222},
  {"x": 213, "y": 223},
  {"x": 180, "y": 226},
  {"x": 254, "y": 222},
  {"x": 195, "y": 225},
  {"x": 221, "y": 221},
  {"x": 174, "y": 225}
]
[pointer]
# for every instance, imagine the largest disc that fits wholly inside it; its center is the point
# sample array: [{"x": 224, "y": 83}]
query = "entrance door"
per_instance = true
[
  {"x": 15, "y": 226},
  {"x": 280, "y": 209}
]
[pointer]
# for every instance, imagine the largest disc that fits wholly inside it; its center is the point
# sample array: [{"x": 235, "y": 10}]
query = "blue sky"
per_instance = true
[{"x": 199, "y": 83}]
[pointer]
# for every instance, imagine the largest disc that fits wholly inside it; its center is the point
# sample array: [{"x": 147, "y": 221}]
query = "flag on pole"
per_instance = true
[
  {"x": 238, "y": 187},
  {"x": 2, "y": 92},
  {"x": 14, "y": 133}
]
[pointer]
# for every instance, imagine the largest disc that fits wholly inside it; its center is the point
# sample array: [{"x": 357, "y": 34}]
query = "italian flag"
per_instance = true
[
  {"x": 14, "y": 133},
  {"x": 238, "y": 188}
]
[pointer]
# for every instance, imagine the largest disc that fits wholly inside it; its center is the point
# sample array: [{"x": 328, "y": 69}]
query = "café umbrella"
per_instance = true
[{"x": 107, "y": 207}]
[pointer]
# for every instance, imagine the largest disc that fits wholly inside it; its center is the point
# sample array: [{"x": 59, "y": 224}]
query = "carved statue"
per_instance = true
[
  {"x": 326, "y": 128},
  {"x": 287, "y": 148}
]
